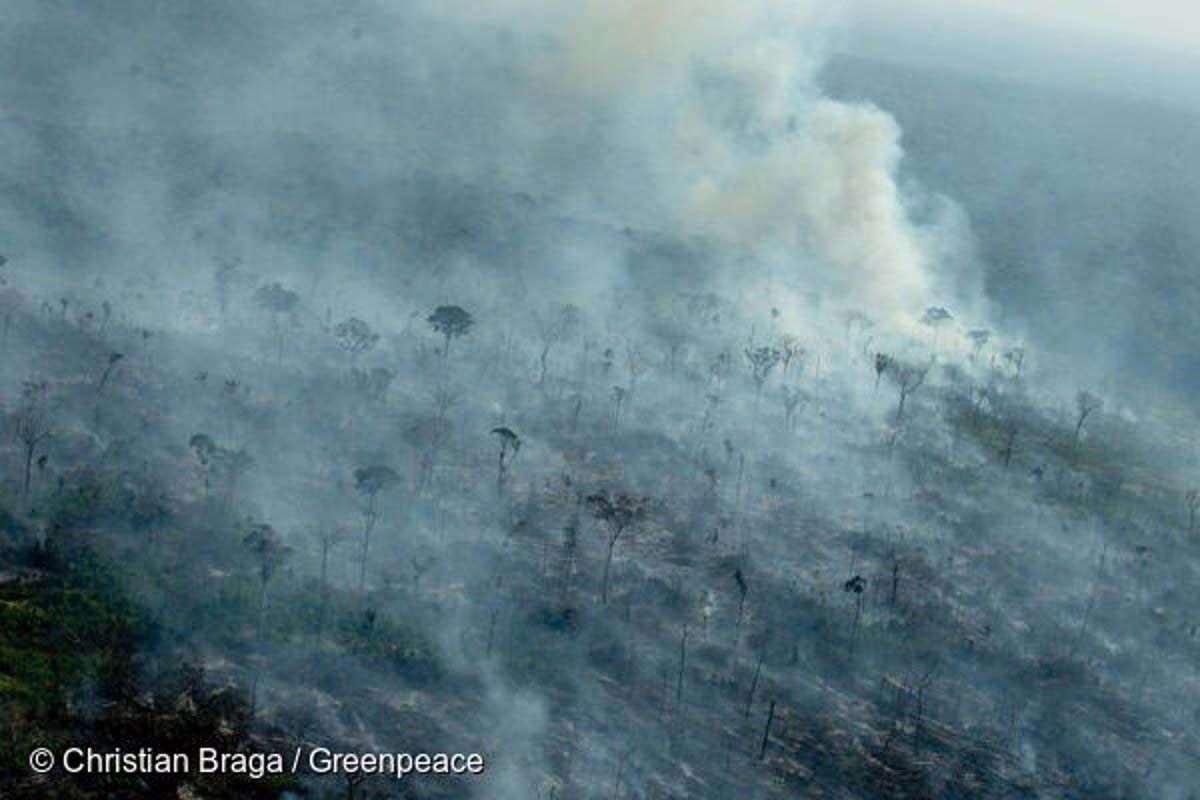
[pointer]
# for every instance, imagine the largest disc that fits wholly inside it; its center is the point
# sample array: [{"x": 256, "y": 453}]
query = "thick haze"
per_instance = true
[
  {"x": 645, "y": 206},
  {"x": 1147, "y": 50},
  {"x": 1068, "y": 142},
  {"x": 365, "y": 121},
  {"x": 1153, "y": 24}
]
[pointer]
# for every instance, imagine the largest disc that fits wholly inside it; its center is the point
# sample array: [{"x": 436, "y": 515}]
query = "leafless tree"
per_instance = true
[
  {"x": 31, "y": 427},
  {"x": 328, "y": 537},
  {"x": 279, "y": 303},
  {"x": 618, "y": 513},
  {"x": 113, "y": 360},
  {"x": 791, "y": 396},
  {"x": 762, "y": 361},
  {"x": 882, "y": 362},
  {"x": 1016, "y": 359},
  {"x": 908, "y": 378},
  {"x": 619, "y": 393},
  {"x": 789, "y": 351},
  {"x": 204, "y": 449},
  {"x": 355, "y": 337},
  {"x": 223, "y": 275},
  {"x": 510, "y": 445},
  {"x": 553, "y": 328},
  {"x": 1085, "y": 405}
]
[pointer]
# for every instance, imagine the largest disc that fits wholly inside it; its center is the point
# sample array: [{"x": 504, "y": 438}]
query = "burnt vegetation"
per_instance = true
[
  {"x": 416, "y": 400},
  {"x": 788, "y": 631}
]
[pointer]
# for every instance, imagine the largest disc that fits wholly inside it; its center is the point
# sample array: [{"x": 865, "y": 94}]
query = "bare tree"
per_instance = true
[
  {"x": 789, "y": 351},
  {"x": 743, "y": 590},
  {"x": 355, "y": 337},
  {"x": 618, "y": 513},
  {"x": 31, "y": 426},
  {"x": 328, "y": 537},
  {"x": 1010, "y": 442},
  {"x": 1085, "y": 405},
  {"x": 510, "y": 445},
  {"x": 373, "y": 384},
  {"x": 560, "y": 323},
  {"x": 1016, "y": 359},
  {"x": 619, "y": 394},
  {"x": 223, "y": 277},
  {"x": 882, "y": 362},
  {"x": 791, "y": 396},
  {"x": 205, "y": 450},
  {"x": 113, "y": 360},
  {"x": 856, "y": 586},
  {"x": 444, "y": 397},
  {"x": 635, "y": 365},
  {"x": 762, "y": 361},
  {"x": 979, "y": 339},
  {"x": 762, "y": 751},
  {"x": 908, "y": 378},
  {"x": 269, "y": 553},
  {"x": 233, "y": 464},
  {"x": 279, "y": 303}
]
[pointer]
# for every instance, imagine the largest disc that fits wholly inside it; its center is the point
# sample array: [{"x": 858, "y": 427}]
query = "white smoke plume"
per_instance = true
[{"x": 722, "y": 132}]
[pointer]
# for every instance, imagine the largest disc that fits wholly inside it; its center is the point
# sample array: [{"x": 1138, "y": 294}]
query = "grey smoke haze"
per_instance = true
[
  {"x": 372, "y": 119},
  {"x": 632, "y": 198}
]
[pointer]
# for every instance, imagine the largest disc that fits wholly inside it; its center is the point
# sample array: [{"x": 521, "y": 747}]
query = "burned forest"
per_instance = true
[{"x": 614, "y": 400}]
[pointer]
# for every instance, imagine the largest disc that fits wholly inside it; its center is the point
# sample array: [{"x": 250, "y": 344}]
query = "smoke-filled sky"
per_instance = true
[
  {"x": 1154, "y": 23},
  {"x": 639, "y": 114},
  {"x": 1144, "y": 49},
  {"x": 681, "y": 180}
]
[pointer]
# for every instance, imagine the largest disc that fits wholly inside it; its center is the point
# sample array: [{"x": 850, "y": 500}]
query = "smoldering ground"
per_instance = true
[{"x": 645, "y": 210}]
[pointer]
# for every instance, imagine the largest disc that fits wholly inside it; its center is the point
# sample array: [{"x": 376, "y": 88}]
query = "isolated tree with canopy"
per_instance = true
[
  {"x": 979, "y": 339},
  {"x": 269, "y": 553},
  {"x": 369, "y": 482},
  {"x": 935, "y": 317},
  {"x": 552, "y": 328},
  {"x": 618, "y": 513},
  {"x": 451, "y": 322}
]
